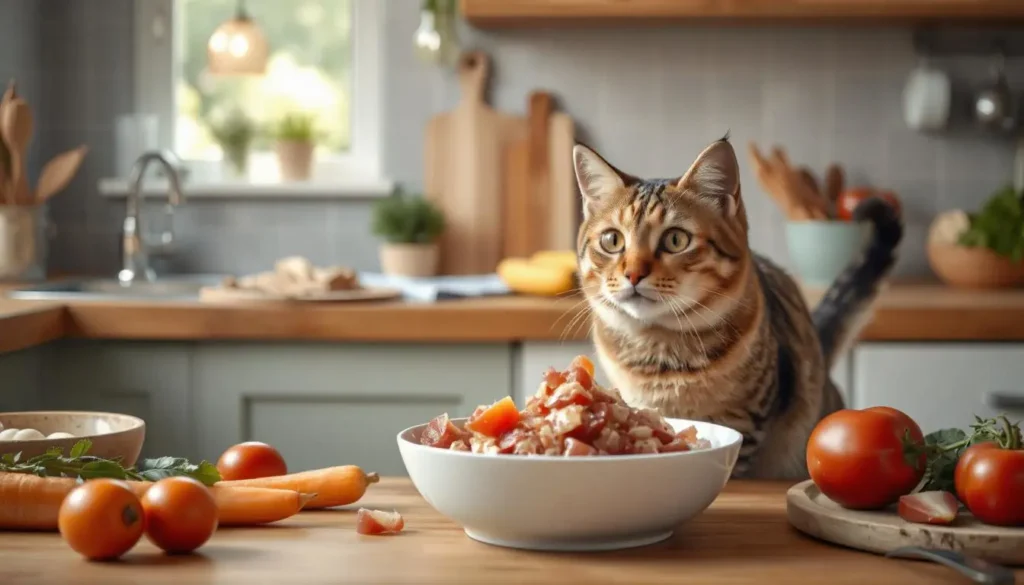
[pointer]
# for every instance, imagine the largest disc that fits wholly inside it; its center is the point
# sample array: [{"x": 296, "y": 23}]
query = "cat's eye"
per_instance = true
[
  {"x": 612, "y": 241},
  {"x": 675, "y": 240}
]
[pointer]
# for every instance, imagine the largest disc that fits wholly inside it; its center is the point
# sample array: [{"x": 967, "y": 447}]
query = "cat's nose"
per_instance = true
[{"x": 636, "y": 275}]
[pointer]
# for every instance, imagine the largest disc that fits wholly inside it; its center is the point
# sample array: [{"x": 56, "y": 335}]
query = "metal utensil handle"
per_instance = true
[
  {"x": 1005, "y": 400},
  {"x": 975, "y": 569}
]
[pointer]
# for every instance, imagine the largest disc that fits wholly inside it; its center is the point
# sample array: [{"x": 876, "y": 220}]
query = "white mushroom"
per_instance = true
[
  {"x": 60, "y": 435},
  {"x": 28, "y": 435},
  {"x": 7, "y": 434}
]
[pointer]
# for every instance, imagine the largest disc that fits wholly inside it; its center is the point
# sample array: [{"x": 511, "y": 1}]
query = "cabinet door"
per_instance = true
[
  {"x": 941, "y": 385},
  {"x": 143, "y": 379},
  {"x": 20, "y": 373},
  {"x": 534, "y": 358},
  {"x": 338, "y": 404}
]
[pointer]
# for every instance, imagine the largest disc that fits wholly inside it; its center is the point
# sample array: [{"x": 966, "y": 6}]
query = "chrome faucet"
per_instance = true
[{"x": 135, "y": 251}]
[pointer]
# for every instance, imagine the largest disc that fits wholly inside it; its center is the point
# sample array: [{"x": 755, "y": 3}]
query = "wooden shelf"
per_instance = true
[{"x": 526, "y": 13}]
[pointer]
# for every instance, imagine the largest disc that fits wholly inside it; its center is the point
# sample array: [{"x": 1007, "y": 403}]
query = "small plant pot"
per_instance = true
[
  {"x": 416, "y": 260},
  {"x": 295, "y": 159}
]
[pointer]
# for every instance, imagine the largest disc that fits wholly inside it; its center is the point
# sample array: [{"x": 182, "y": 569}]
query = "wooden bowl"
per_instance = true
[
  {"x": 113, "y": 435},
  {"x": 976, "y": 268}
]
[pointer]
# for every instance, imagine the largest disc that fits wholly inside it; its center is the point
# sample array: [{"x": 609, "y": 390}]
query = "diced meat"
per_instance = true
[
  {"x": 576, "y": 448},
  {"x": 570, "y": 415},
  {"x": 440, "y": 433}
]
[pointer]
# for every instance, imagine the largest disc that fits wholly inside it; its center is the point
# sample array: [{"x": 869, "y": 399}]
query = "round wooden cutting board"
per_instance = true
[
  {"x": 813, "y": 513},
  {"x": 229, "y": 295}
]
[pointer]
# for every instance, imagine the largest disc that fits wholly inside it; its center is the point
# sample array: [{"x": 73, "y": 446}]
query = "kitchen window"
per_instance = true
[{"x": 324, "y": 60}]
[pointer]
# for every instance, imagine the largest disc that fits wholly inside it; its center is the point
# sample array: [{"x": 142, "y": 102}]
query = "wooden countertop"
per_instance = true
[
  {"x": 905, "y": 312},
  {"x": 743, "y": 537}
]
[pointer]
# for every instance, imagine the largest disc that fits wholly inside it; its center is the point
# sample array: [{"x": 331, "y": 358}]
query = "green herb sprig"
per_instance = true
[
  {"x": 943, "y": 448},
  {"x": 999, "y": 225},
  {"x": 78, "y": 464}
]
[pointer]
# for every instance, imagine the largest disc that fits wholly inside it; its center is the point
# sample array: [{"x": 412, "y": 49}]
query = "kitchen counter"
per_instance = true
[
  {"x": 743, "y": 537},
  {"x": 904, "y": 312}
]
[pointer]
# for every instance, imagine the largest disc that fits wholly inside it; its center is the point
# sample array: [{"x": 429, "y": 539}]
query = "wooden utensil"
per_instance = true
[
  {"x": 527, "y": 182},
  {"x": 516, "y": 197},
  {"x": 813, "y": 513},
  {"x": 835, "y": 182},
  {"x": 6, "y": 193},
  {"x": 564, "y": 207},
  {"x": 463, "y": 172},
  {"x": 17, "y": 126},
  {"x": 57, "y": 173},
  {"x": 787, "y": 186}
]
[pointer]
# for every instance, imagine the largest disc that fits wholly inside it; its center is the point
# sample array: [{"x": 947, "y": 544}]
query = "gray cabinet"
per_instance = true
[
  {"x": 147, "y": 380},
  {"x": 20, "y": 373},
  {"x": 337, "y": 404},
  {"x": 941, "y": 384}
]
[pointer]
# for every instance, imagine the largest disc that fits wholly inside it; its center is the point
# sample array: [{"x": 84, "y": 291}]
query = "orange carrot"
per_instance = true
[
  {"x": 29, "y": 502},
  {"x": 333, "y": 486}
]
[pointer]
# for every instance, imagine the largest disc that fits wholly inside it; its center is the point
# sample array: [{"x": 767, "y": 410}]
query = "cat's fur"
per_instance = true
[{"x": 714, "y": 331}]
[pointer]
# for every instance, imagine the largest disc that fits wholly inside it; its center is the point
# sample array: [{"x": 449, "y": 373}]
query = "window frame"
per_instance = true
[{"x": 156, "y": 45}]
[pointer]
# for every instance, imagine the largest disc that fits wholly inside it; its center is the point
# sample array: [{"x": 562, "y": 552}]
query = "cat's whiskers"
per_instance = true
[
  {"x": 692, "y": 331},
  {"x": 571, "y": 309}
]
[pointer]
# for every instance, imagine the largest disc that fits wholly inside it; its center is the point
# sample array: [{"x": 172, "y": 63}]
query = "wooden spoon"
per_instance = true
[
  {"x": 17, "y": 125},
  {"x": 57, "y": 173},
  {"x": 6, "y": 192}
]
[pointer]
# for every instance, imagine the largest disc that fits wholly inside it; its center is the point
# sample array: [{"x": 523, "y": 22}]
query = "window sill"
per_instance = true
[{"x": 240, "y": 190}]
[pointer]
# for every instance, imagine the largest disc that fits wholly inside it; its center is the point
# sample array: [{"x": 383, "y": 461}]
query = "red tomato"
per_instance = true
[
  {"x": 856, "y": 457},
  {"x": 498, "y": 419},
  {"x": 101, "y": 519},
  {"x": 850, "y": 199},
  {"x": 990, "y": 482},
  {"x": 251, "y": 460},
  {"x": 181, "y": 514}
]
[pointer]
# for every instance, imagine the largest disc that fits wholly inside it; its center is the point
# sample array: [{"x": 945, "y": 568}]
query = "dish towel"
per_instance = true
[{"x": 439, "y": 288}]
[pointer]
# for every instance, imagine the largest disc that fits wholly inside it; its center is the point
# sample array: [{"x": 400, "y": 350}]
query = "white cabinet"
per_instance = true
[
  {"x": 337, "y": 404},
  {"x": 941, "y": 385}
]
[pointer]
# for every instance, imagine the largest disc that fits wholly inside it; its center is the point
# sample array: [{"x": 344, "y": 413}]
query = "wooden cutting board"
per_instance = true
[
  {"x": 813, "y": 513},
  {"x": 540, "y": 198},
  {"x": 464, "y": 165}
]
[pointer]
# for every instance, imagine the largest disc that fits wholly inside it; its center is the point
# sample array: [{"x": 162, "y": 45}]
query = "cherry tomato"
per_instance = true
[
  {"x": 856, "y": 457},
  {"x": 498, "y": 419},
  {"x": 990, "y": 482},
  {"x": 181, "y": 514},
  {"x": 850, "y": 199},
  {"x": 101, "y": 519},
  {"x": 251, "y": 460}
]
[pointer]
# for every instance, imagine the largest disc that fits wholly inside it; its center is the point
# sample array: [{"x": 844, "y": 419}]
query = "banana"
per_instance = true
[
  {"x": 535, "y": 278},
  {"x": 563, "y": 258}
]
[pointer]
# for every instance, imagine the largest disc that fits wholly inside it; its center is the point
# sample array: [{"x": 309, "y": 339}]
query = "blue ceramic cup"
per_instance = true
[{"x": 821, "y": 250}]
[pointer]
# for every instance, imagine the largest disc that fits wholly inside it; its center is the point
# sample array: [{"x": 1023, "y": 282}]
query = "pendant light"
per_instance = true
[{"x": 238, "y": 46}]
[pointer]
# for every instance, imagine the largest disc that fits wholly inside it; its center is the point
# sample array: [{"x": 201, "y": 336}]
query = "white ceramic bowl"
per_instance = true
[{"x": 572, "y": 503}]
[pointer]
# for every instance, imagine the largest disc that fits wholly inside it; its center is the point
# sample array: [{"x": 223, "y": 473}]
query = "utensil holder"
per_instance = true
[{"x": 24, "y": 234}]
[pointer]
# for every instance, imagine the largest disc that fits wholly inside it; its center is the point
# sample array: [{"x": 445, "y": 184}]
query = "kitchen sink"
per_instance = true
[{"x": 171, "y": 288}]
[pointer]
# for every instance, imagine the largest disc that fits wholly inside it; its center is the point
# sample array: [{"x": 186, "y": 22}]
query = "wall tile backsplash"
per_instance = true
[{"x": 649, "y": 99}]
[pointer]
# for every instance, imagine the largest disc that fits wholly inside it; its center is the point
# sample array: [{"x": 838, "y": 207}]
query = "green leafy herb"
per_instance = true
[
  {"x": 943, "y": 448},
  {"x": 80, "y": 465},
  {"x": 404, "y": 219},
  {"x": 999, "y": 226}
]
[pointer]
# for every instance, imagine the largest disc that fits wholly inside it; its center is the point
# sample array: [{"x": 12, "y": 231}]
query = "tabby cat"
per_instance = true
[{"x": 690, "y": 322}]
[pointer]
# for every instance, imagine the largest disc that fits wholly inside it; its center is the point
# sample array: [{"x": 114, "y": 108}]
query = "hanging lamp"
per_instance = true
[{"x": 238, "y": 46}]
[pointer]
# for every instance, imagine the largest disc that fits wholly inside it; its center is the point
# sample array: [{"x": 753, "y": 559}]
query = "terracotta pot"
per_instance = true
[
  {"x": 976, "y": 268},
  {"x": 415, "y": 260},
  {"x": 295, "y": 159}
]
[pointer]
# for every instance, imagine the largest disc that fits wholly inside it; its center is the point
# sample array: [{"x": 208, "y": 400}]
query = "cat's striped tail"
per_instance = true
[{"x": 844, "y": 309}]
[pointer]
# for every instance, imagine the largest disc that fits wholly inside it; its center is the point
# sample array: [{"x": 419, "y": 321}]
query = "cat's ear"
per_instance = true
[
  {"x": 715, "y": 176},
  {"x": 597, "y": 179}
]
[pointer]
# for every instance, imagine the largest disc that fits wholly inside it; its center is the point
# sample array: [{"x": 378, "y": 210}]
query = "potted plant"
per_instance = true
[
  {"x": 410, "y": 227},
  {"x": 295, "y": 136},
  {"x": 235, "y": 133}
]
